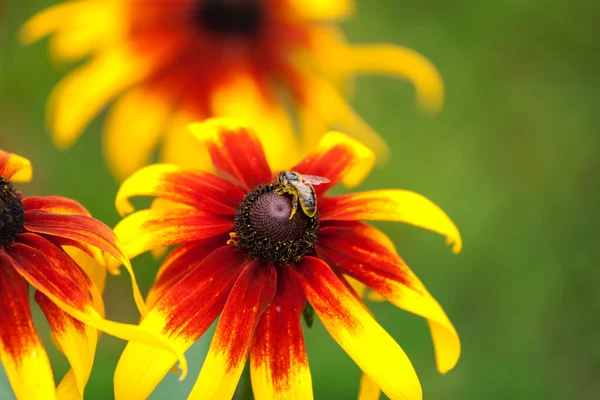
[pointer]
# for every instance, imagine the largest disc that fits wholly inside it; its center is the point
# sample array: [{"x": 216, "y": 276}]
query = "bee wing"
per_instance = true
[
  {"x": 304, "y": 191},
  {"x": 314, "y": 180}
]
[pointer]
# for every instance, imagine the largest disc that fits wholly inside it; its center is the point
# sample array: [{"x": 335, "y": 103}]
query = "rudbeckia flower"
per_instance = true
[
  {"x": 242, "y": 253},
  {"x": 33, "y": 232},
  {"x": 166, "y": 64}
]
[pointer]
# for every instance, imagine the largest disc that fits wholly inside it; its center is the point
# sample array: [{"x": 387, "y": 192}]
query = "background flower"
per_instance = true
[
  {"x": 169, "y": 63},
  {"x": 512, "y": 157}
]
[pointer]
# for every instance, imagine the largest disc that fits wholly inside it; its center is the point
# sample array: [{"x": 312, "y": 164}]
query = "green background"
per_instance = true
[{"x": 512, "y": 158}]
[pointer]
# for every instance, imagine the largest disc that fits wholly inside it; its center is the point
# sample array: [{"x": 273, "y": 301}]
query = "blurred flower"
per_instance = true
[
  {"x": 241, "y": 256},
  {"x": 169, "y": 63},
  {"x": 33, "y": 231}
]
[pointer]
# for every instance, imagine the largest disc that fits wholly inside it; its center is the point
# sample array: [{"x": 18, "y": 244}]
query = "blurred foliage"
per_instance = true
[{"x": 512, "y": 159}]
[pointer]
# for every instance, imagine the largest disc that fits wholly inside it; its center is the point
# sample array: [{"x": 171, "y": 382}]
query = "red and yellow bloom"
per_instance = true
[
  {"x": 167, "y": 63},
  {"x": 240, "y": 255},
  {"x": 33, "y": 232}
]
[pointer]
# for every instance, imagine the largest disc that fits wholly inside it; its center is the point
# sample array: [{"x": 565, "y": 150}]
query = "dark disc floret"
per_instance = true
[
  {"x": 264, "y": 229},
  {"x": 230, "y": 17},
  {"x": 12, "y": 215}
]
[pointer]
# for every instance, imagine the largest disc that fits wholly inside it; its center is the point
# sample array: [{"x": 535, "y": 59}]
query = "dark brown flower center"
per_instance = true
[
  {"x": 264, "y": 229},
  {"x": 12, "y": 215},
  {"x": 230, "y": 17}
]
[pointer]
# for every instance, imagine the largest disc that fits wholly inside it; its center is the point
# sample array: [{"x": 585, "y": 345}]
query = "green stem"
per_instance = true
[{"x": 244, "y": 387}]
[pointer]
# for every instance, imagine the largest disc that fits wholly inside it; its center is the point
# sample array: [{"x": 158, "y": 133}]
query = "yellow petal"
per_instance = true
[
  {"x": 50, "y": 20},
  {"x": 79, "y": 96},
  {"x": 134, "y": 127},
  {"x": 393, "y": 205},
  {"x": 242, "y": 98},
  {"x": 354, "y": 329},
  {"x": 401, "y": 62},
  {"x": 321, "y": 10},
  {"x": 67, "y": 389},
  {"x": 15, "y": 168},
  {"x": 76, "y": 340},
  {"x": 368, "y": 389}
]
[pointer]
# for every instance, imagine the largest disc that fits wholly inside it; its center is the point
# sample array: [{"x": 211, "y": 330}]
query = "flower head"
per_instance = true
[
  {"x": 242, "y": 253},
  {"x": 34, "y": 235},
  {"x": 169, "y": 63}
]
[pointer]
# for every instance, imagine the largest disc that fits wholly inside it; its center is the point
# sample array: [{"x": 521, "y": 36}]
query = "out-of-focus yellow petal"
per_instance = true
[
  {"x": 354, "y": 329},
  {"x": 322, "y": 10},
  {"x": 134, "y": 127},
  {"x": 180, "y": 147},
  {"x": 402, "y": 62},
  {"x": 79, "y": 96},
  {"x": 76, "y": 340},
  {"x": 392, "y": 205},
  {"x": 50, "y": 20},
  {"x": 242, "y": 98},
  {"x": 326, "y": 101},
  {"x": 15, "y": 168},
  {"x": 368, "y": 389}
]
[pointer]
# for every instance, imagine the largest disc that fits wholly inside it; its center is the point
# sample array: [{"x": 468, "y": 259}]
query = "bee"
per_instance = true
[{"x": 300, "y": 187}]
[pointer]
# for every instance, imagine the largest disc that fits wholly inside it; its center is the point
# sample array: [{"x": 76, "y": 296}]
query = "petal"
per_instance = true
[
  {"x": 54, "y": 204},
  {"x": 14, "y": 167},
  {"x": 95, "y": 270},
  {"x": 359, "y": 255},
  {"x": 76, "y": 340},
  {"x": 21, "y": 351},
  {"x": 392, "y": 205},
  {"x": 243, "y": 97},
  {"x": 180, "y": 262},
  {"x": 338, "y": 158},
  {"x": 278, "y": 361},
  {"x": 249, "y": 297},
  {"x": 195, "y": 188},
  {"x": 368, "y": 389},
  {"x": 79, "y": 96},
  {"x": 180, "y": 147},
  {"x": 319, "y": 10},
  {"x": 181, "y": 316},
  {"x": 134, "y": 127},
  {"x": 235, "y": 151},
  {"x": 150, "y": 229},
  {"x": 397, "y": 61},
  {"x": 354, "y": 329},
  {"x": 326, "y": 101},
  {"x": 52, "y": 272},
  {"x": 84, "y": 229}
]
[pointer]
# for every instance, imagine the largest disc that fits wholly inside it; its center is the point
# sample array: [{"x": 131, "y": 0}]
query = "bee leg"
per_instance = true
[{"x": 294, "y": 206}]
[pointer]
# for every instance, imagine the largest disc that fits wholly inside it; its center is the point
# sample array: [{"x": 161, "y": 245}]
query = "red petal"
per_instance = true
[
  {"x": 337, "y": 158},
  {"x": 80, "y": 228},
  {"x": 183, "y": 314},
  {"x": 249, "y": 297},
  {"x": 21, "y": 350},
  {"x": 352, "y": 250},
  {"x": 151, "y": 229},
  {"x": 199, "y": 189},
  {"x": 235, "y": 151},
  {"x": 179, "y": 263},
  {"x": 49, "y": 268},
  {"x": 54, "y": 204},
  {"x": 278, "y": 359}
]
